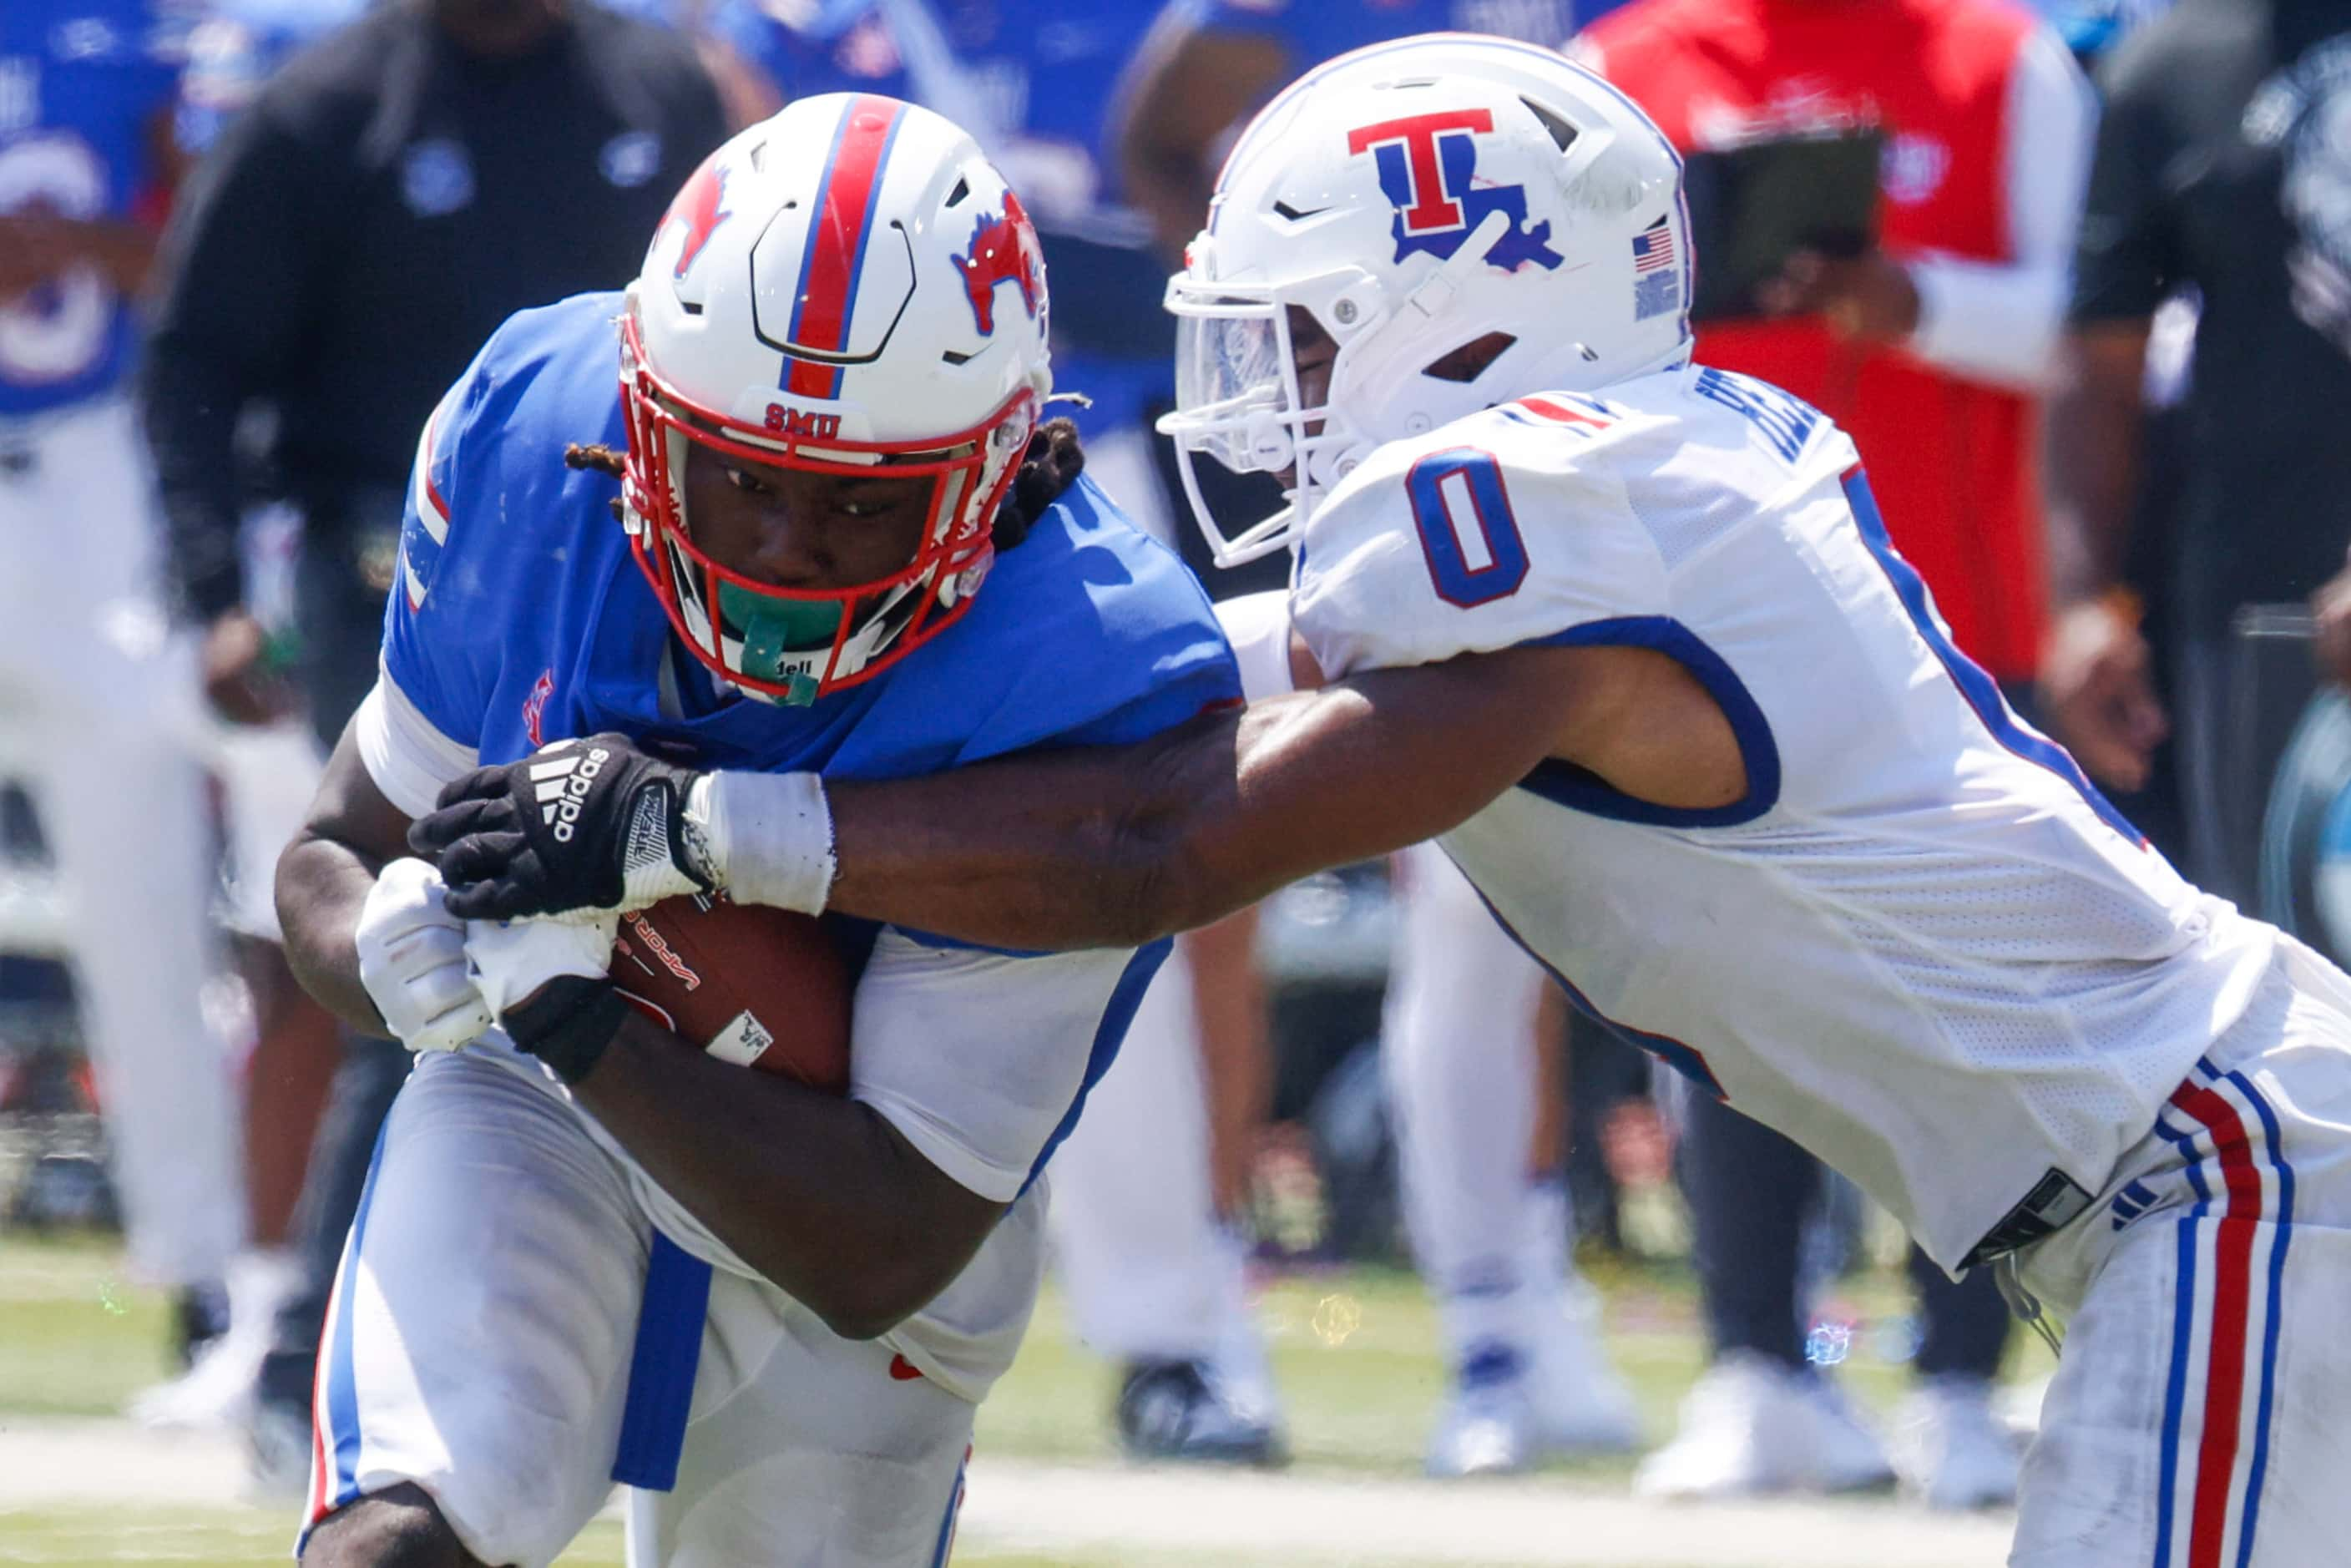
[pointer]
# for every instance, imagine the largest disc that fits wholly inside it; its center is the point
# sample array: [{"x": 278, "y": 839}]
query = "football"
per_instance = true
[{"x": 758, "y": 986}]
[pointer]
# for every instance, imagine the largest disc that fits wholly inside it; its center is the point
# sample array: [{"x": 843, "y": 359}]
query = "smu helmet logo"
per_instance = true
[
  {"x": 1002, "y": 250},
  {"x": 1428, "y": 168},
  {"x": 698, "y": 208}
]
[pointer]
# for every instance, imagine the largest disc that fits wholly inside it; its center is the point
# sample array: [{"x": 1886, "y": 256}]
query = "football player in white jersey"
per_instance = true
[{"x": 1626, "y": 635}]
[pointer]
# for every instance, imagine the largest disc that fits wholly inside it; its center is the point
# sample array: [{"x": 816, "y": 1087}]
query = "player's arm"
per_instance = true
[
  {"x": 2096, "y": 683},
  {"x": 1108, "y": 846},
  {"x": 324, "y": 878},
  {"x": 1120, "y": 846},
  {"x": 237, "y": 274},
  {"x": 1443, "y": 708},
  {"x": 963, "y": 1065},
  {"x": 40, "y": 245},
  {"x": 823, "y": 1195}
]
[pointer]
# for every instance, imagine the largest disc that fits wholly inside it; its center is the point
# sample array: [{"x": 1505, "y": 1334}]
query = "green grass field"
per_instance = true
[{"x": 1354, "y": 1355}]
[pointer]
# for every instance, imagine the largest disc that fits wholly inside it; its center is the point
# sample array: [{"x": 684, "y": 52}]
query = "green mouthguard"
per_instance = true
[{"x": 773, "y": 629}]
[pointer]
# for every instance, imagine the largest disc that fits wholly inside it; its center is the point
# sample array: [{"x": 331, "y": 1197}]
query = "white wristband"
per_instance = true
[{"x": 769, "y": 837}]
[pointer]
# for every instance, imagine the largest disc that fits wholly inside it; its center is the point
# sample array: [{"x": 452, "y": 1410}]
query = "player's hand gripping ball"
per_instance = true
[
  {"x": 754, "y": 985},
  {"x": 761, "y": 986},
  {"x": 593, "y": 825}
]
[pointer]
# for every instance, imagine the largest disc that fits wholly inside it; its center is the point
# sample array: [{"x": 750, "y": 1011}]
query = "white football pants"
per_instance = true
[
  {"x": 1459, "y": 1048},
  {"x": 98, "y": 717},
  {"x": 1151, "y": 1273},
  {"x": 2197, "y": 1420},
  {"x": 480, "y": 1339}
]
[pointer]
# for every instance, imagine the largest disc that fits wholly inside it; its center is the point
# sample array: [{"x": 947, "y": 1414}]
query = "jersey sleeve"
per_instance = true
[
  {"x": 1257, "y": 626},
  {"x": 428, "y": 653},
  {"x": 423, "y": 724},
  {"x": 981, "y": 1060},
  {"x": 1511, "y": 535}
]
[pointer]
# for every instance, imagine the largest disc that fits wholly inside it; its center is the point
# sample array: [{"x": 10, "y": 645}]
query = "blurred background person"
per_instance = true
[
  {"x": 2220, "y": 173},
  {"x": 98, "y": 709},
  {"x": 387, "y": 199},
  {"x": 1931, "y": 348},
  {"x": 265, "y": 773},
  {"x": 1222, "y": 60},
  {"x": 1478, "y": 1113},
  {"x": 1479, "y": 1142}
]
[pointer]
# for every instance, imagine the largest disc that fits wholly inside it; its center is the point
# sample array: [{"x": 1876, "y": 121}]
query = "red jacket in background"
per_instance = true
[{"x": 1950, "y": 459}]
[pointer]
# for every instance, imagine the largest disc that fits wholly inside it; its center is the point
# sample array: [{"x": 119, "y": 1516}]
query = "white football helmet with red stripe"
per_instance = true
[
  {"x": 845, "y": 287},
  {"x": 1467, "y": 218}
]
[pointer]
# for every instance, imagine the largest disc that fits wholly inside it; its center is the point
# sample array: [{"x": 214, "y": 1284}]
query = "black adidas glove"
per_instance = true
[{"x": 591, "y": 824}]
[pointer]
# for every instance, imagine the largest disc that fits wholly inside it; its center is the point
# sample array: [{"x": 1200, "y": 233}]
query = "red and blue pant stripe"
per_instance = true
[{"x": 2220, "y": 1386}]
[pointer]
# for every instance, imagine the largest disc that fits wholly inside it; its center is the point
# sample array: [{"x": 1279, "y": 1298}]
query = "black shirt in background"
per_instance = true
[
  {"x": 387, "y": 201},
  {"x": 2213, "y": 169}
]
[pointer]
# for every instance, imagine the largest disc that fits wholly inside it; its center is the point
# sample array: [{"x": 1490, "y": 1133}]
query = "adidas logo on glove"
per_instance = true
[{"x": 562, "y": 783}]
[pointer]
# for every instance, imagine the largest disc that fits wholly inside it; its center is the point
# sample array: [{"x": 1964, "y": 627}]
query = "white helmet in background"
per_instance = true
[
  {"x": 1442, "y": 194},
  {"x": 844, "y": 288}
]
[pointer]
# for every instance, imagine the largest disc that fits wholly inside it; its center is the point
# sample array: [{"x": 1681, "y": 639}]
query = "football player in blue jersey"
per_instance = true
[
  {"x": 101, "y": 706},
  {"x": 844, "y": 542},
  {"x": 1155, "y": 1277}
]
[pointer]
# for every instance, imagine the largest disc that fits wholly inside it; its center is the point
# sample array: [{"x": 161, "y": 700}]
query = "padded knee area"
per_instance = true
[{"x": 399, "y": 1527}]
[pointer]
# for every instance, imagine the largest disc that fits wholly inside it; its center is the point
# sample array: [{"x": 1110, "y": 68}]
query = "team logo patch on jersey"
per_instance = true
[
  {"x": 1428, "y": 171},
  {"x": 534, "y": 708},
  {"x": 1656, "y": 272},
  {"x": 1003, "y": 249}
]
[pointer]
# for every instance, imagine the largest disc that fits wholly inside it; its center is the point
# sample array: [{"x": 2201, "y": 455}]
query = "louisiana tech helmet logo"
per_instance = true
[{"x": 1428, "y": 171}]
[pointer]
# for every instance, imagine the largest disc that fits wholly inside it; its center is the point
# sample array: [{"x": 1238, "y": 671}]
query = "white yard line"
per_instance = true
[{"x": 1182, "y": 1515}]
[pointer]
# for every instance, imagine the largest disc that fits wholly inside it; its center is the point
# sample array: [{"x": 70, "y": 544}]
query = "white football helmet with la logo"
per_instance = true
[
  {"x": 845, "y": 287},
  {"x": 1468, "y": 219}
]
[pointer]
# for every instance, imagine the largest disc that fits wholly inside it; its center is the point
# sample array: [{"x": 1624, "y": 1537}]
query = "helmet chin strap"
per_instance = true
[
  {"x": 1435, "y": 294},
  {"x": 1433, "y": 298}
]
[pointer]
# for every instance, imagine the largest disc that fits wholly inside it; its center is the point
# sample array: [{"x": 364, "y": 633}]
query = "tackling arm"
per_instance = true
[{"x": 1114, "y": 847}]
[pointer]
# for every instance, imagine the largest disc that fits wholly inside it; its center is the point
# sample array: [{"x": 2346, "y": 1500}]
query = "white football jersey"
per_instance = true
[{"x": 1922, "y": 945}]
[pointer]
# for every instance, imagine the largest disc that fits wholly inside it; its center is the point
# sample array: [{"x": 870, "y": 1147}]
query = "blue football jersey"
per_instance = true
[
  {"x": 520, "y": 617},
  {"x": 84, "y": 85}
]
